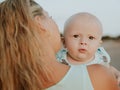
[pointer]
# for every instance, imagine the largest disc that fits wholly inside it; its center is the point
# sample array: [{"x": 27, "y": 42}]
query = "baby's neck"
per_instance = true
[{"x": 77, "y": 62}]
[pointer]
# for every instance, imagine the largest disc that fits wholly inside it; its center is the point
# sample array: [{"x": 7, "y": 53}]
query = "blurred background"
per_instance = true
[
  {"x": 112, "y": 46},
  {"x": 108, "y": 11}
]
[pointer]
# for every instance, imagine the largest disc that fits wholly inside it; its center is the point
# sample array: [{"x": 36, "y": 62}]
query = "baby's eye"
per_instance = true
[
  {"x": 91, "y": 37},
  {"x": 75, "y": 36}
]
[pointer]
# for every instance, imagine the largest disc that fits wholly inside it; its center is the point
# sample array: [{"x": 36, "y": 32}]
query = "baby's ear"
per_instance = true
[{"x": 101, "y": 41}]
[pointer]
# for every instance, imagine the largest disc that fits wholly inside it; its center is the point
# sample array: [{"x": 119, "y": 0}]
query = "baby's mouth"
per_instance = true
[{"x": 82, "y": 50}]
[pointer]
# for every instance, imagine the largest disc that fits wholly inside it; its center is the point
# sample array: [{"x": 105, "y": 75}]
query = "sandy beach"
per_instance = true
[{"x": 113, "y": 48}]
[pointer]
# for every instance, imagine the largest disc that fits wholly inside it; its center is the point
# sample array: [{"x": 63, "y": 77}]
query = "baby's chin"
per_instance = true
[{"x": 77, "y": 61}]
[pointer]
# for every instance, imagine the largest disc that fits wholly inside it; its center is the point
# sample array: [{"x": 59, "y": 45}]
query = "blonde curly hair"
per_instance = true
[{"x": 22, "y": 50}]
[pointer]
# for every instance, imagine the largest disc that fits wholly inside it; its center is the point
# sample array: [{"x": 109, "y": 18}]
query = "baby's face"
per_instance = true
[{"x": 82, "y": 40}]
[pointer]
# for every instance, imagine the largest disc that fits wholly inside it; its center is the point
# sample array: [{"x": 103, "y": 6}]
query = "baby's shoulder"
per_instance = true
[{"x": 103, "y": 55}]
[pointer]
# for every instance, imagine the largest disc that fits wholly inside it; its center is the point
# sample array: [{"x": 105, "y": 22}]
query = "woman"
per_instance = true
[{"x": 29, "y": 40}]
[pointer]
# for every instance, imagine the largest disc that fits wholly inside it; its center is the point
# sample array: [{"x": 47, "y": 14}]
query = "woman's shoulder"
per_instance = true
[{"x": 102, "y": 77}]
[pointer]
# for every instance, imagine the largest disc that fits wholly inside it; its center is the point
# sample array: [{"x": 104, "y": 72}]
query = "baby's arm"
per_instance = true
[{"x": 117, "y": 73}]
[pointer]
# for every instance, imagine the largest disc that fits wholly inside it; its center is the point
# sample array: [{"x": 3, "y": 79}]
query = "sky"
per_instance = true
[{"x": 108, "y": 12}]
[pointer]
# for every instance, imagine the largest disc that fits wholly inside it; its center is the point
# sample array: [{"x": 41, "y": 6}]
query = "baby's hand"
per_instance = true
[
  {"x": 117, "y": 73},
  {"x": 118, "y": 79}
]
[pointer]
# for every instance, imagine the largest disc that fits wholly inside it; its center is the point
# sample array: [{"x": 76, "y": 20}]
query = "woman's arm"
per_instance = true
[{"x": 102, "y": 78}]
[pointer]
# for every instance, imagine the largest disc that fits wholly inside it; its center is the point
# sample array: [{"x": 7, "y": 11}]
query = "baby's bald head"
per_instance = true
[{"x": 83, "y": 18}]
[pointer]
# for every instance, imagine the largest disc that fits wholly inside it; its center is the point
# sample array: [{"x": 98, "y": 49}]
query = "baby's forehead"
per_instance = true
[{"x": 82, "y": 19}]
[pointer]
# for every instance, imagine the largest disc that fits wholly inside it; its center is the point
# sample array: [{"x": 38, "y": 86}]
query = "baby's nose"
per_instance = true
[{"x": 83, "y": 41}]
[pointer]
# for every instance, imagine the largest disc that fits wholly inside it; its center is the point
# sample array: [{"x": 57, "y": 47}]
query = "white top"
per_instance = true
[{"x": 77, "y": 78}]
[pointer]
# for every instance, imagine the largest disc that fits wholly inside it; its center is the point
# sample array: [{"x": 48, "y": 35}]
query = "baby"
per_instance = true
[{"x": 81, "y": 40}]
